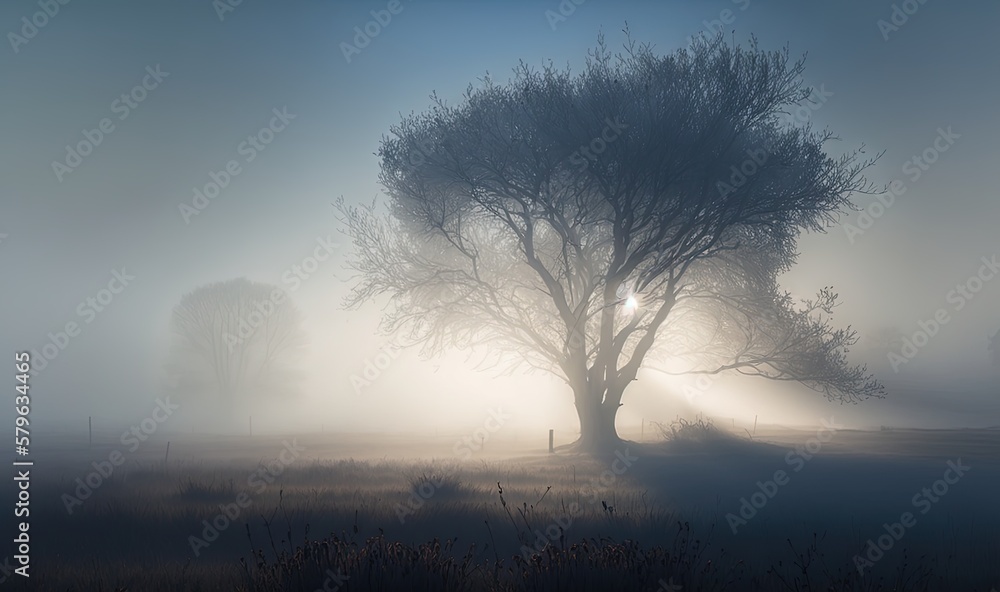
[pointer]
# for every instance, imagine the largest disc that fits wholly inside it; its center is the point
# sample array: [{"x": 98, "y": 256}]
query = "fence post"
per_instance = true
[{"x": 551, "y": 441}]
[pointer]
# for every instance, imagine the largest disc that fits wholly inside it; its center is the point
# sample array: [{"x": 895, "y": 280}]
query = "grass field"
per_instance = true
[{"x": 370, "y": 513}]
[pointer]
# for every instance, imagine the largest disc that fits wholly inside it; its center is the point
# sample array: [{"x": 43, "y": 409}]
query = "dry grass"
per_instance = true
[{"x": 496, "y": 525}]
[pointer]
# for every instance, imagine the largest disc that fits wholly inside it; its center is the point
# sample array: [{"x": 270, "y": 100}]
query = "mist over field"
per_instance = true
[{"x": 500, "y": 296}]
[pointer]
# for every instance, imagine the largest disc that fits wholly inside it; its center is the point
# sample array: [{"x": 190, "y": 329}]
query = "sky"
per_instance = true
[{"x": 200, "y": 77}]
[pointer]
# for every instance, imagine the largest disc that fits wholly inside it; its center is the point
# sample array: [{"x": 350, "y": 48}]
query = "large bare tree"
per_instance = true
[
  {"x": 641, "y": 209},
  {"x": 234, "y": 336}
]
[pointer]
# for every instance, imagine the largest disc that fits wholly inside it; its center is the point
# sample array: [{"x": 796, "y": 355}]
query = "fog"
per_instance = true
[
  {"x": 402, "y": 279},
  {"x": 222, "y": 78}
]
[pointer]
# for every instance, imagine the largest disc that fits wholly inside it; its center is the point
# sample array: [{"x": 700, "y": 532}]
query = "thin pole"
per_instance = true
[
  {"x": 552, "y": 441},
  {"x": 167, "y": 455},
  {"x": 754, "y": 425}
]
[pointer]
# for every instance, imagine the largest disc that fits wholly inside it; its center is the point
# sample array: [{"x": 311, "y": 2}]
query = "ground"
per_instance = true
[{"x": 812, "y": 496}]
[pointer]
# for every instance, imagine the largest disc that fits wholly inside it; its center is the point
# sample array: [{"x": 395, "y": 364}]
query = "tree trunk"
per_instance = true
[{"x": 597, "y": 422}]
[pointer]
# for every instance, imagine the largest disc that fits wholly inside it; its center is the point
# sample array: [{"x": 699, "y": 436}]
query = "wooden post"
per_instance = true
[
  {"x": 90, "y": 431},
  {"x": 552, "y": 441},
  {"x": 754, "y": 425},
  {"x": 167, "y": 455}
]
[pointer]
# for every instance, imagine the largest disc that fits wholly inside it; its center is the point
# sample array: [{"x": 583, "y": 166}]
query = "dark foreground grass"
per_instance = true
[
  {"x": 348, "y": 561},
  {"x": 549, "y": 522},
  {"x": 341, "y": 563},
  {"x": 344, "y": 563}
]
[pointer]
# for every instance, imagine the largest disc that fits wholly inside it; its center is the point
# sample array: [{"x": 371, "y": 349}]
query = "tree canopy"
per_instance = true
[
  {"x": 577, "y": 223},
  {"x": 235, "y": 337}
]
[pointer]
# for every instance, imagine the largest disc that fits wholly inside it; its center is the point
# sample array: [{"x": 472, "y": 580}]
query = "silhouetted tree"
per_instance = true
[
  {"x": 577, "y": 223},
  {"x": 234, "y": 336}
]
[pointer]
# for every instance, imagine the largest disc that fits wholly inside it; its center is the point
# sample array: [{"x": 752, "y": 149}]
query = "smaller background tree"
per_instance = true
[{"x": 233, "y": 342}]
